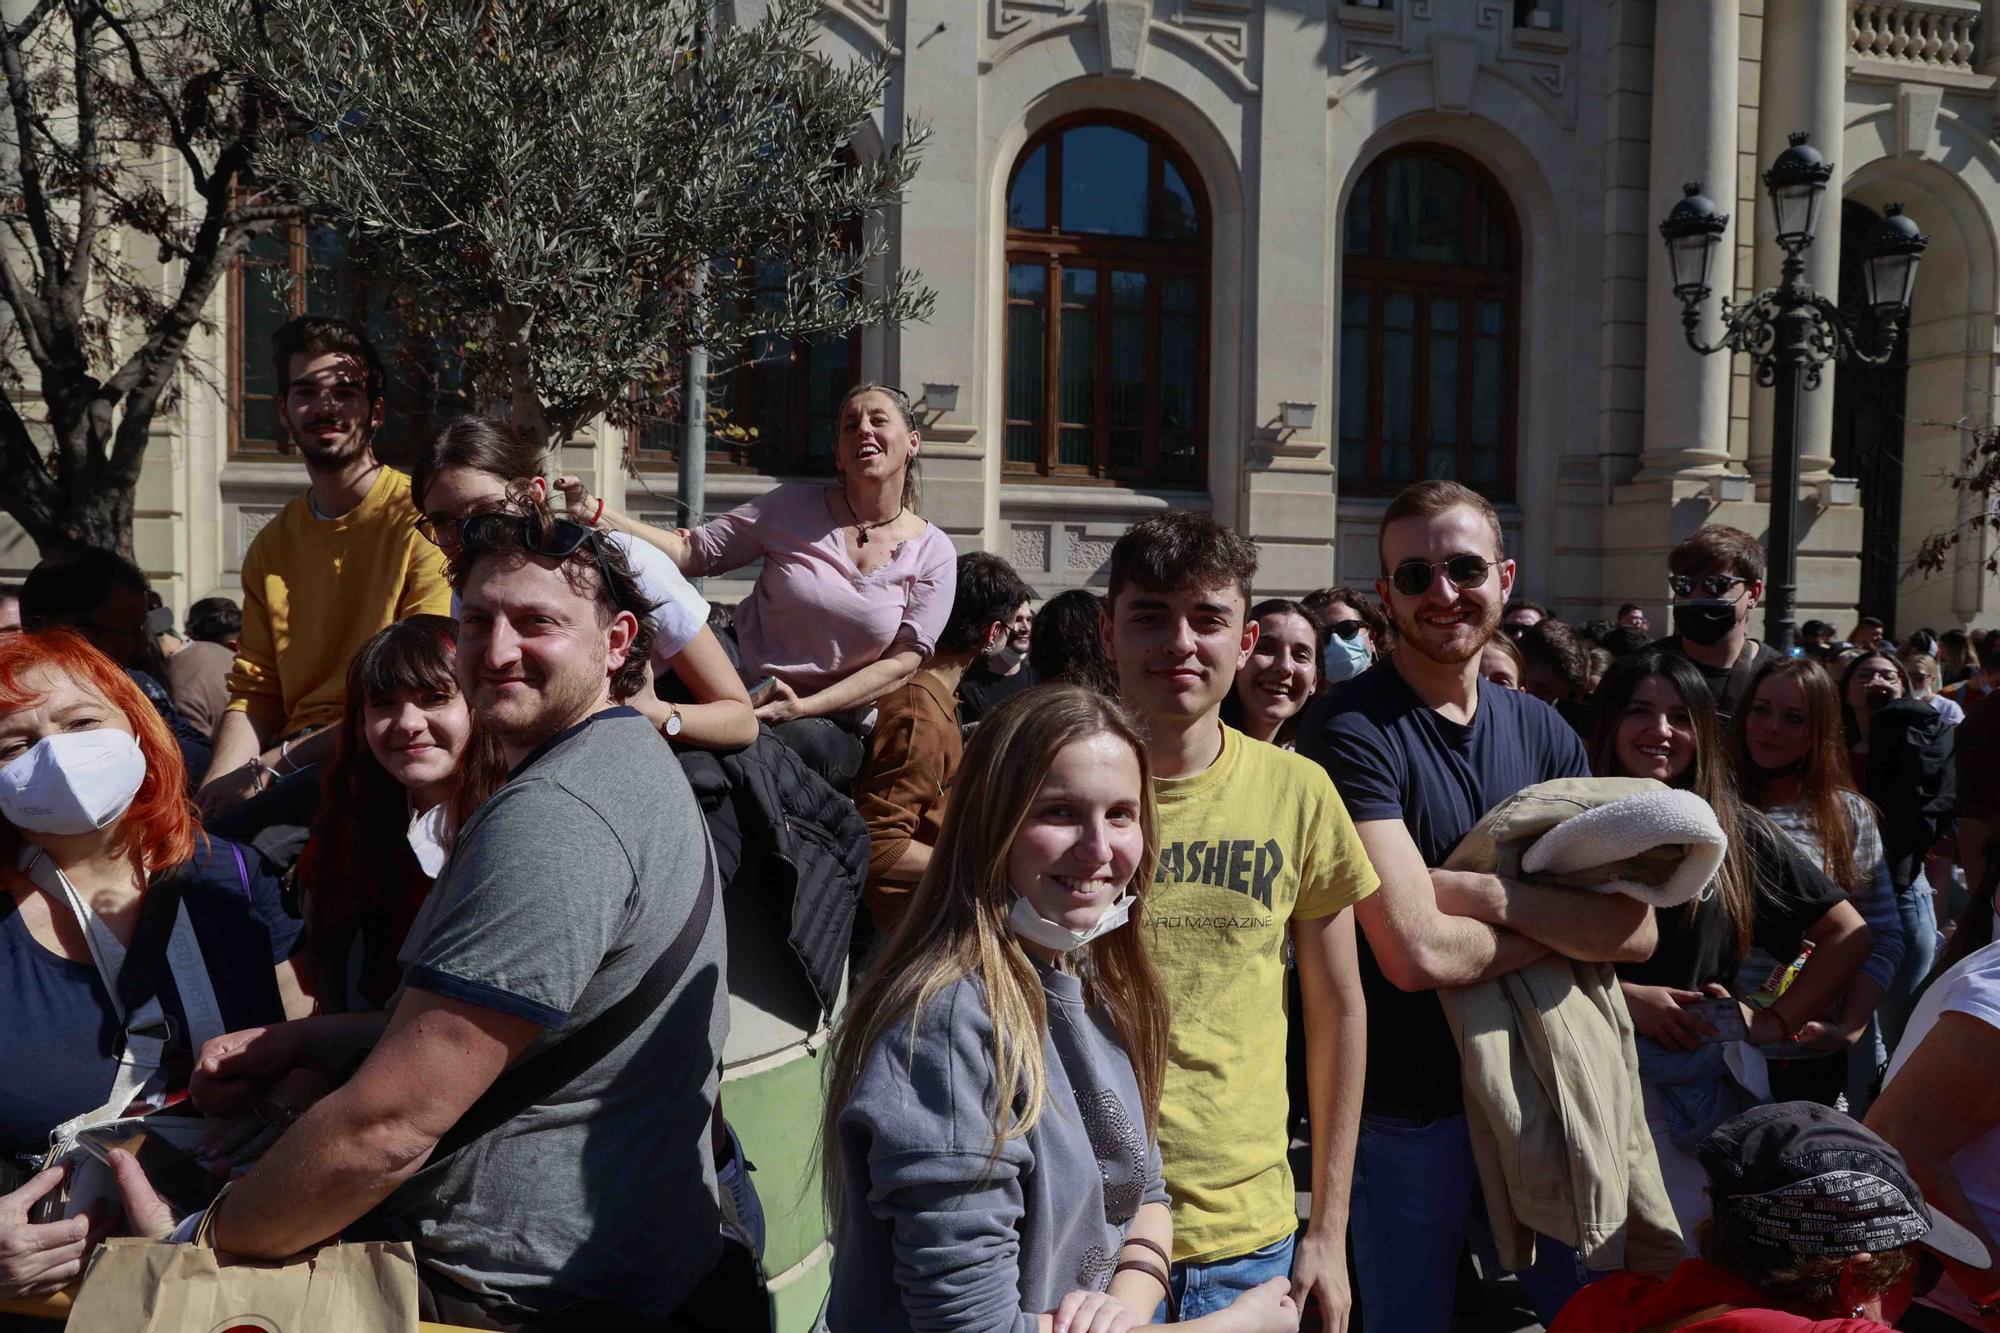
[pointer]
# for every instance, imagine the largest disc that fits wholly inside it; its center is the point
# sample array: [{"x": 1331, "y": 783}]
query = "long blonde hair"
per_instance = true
[{"x": 956, "y": 927}]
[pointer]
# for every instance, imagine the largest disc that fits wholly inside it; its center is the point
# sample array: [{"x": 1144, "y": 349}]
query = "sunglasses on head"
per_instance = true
[
  {"x": 1715, "y": 585},
  {"x": 534, "y": 531},
  {"x": 1346, "y": 629},
  {"x": 1413, "y": 578}
]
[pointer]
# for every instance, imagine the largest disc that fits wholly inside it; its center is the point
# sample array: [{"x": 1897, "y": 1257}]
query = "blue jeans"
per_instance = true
[
  {"x": 1918, "y": 913},
  {"x": 1203, "y": 1288},
  {"x": 1416, "y": 1202}
]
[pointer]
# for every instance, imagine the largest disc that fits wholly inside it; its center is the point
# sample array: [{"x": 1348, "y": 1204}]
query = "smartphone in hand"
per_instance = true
[
  {"x": 1725, "y": 1015},
  {"x": 761, "y": 692}
]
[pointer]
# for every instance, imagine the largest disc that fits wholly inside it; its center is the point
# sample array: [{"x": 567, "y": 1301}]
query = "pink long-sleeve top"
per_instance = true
[{"x": 814, "y": 618}]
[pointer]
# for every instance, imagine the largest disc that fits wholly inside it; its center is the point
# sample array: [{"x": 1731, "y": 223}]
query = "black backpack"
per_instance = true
[{"x": 1911, "y": 780}]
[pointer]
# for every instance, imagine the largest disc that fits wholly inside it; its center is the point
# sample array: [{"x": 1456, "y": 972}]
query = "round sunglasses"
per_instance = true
[{"x": 1413, "y": 578}]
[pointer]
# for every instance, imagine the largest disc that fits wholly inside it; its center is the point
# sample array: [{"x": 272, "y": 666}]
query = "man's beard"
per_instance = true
[
  {"x": 334, "y": 455},
  {"x": 1412, "y": 632},
  {"x": 561, "y": 701}
]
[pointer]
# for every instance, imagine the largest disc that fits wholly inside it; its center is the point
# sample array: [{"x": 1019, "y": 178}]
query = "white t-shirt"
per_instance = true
[
  {"x": 679, "y": 612},
  {"x": 1971, "y": 986}
]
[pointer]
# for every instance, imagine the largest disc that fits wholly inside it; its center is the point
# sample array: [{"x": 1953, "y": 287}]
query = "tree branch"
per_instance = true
[
  {"x": 136, "y": 61},
  {"x": 34, "y": 195},
  {"x": 76, "y": 283},
  {"x": 29, "y": 494}
]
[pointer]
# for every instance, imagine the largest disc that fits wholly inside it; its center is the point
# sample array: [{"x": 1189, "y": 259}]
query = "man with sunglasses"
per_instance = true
[
  {"x": 583, "y": 1198},
  {"x": 337, "y": 564},
  {"x": 1420, "y": 748},
  {"x": 1717, "y": 579}
]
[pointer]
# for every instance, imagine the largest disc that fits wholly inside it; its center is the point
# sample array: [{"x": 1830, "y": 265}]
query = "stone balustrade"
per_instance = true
[{"x": 1916, "y": 35}]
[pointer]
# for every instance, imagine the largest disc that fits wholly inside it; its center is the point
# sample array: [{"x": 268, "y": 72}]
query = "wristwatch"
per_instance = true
[{"x": 673, "y": 723}]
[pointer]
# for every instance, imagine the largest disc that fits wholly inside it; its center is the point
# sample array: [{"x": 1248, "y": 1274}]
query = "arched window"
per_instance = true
[
  {"x": 1429, "y": 311},
  {"x": 298, "y": 270},
  {"x": 1107, "y": 307}
]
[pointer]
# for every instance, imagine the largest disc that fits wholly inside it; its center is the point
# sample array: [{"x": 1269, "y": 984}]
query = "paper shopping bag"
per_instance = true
[{"x": 142, "y": 1286}]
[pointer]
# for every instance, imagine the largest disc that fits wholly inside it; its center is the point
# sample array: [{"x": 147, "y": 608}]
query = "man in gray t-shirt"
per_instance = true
[{"x": 560, "y": 894}]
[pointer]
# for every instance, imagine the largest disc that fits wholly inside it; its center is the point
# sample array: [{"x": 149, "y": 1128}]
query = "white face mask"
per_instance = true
[
  {"x": 427, "y": 839},
  {"x": 1344, "y": 659},
  {"x": 1005, "y": 656},
  {"x": 1032, "y": 926},
  {"x": 73, "y": 781}
]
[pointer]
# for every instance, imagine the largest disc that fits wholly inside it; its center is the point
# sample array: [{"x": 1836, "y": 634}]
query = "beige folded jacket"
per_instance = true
[{"x": 1551, "y": 1074}]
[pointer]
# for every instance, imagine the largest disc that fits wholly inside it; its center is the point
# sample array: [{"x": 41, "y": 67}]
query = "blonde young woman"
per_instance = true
[{"x": 989, "y": 1142}]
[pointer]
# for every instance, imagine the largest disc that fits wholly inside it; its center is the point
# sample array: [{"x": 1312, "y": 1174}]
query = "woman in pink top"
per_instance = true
[{"x": 855, "y": 588}]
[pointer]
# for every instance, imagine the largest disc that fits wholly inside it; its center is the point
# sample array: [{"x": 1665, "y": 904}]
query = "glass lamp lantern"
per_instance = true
[
  {"x": 1797, "y": 183},
  {"x": 1889, "y": 263},
  {"x": 1693, "y": 232}
]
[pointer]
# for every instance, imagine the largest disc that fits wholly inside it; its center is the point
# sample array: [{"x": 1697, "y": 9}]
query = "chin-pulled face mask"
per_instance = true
[
  {"x": 427, "y": 839},
  {"x": 1005, "y": 656},
  {"x": 73, "y": 781},
  {"x": 1032, "y": 926},
  {"x": 1706, "y": 621}
]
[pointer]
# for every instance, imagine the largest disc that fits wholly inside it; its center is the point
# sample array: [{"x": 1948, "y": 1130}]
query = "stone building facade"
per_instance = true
[{"x": 1272, "y": 258}]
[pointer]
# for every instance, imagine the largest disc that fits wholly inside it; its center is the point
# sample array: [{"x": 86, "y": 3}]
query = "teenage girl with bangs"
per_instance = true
[{"x": 989, "y": 1145}]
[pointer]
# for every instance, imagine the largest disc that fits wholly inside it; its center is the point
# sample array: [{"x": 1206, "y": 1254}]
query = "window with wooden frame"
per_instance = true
[
  {"x": 772, "y": 410},
  {"x": 422, "y": 389},
  {"x": 1106, "y": 367},
  {"x": 1429, "y": 326}
]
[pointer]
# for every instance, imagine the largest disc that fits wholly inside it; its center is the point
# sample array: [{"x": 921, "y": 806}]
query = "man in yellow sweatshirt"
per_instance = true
[{"x": 337, "y": 564}]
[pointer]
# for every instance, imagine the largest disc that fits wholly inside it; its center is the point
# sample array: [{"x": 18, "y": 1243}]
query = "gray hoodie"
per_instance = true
[{"x": 935, "y": 1234}]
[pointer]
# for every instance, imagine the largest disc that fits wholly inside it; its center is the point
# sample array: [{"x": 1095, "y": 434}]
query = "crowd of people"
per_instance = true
[{"x": 1657, "y": 971}]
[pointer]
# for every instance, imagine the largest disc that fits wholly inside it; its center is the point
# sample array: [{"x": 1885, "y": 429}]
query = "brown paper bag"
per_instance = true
[{"x": 143, "y": 1286}]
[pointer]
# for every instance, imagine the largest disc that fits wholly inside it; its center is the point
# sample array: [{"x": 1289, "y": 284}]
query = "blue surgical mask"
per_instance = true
[{"x": 1344, "y": 659}]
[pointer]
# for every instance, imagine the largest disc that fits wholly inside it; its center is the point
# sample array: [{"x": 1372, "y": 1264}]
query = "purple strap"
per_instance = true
[{"x": 242, "y": 871}]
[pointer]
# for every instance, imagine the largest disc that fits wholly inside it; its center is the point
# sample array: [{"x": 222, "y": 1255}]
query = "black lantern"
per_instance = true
[
  {"x": 1889, "y": 263},
  {"x": 1693, "y": 231},
  {"x": 1797, "y": 182}
]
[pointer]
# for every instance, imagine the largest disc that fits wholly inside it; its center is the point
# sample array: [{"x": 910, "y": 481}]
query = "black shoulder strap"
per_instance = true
[{"x": 540, "y": 1076}]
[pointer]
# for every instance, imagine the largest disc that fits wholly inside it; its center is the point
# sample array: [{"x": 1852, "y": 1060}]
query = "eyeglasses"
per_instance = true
[
  {"x": 437, "y": 531},
  {"x": 1346, "y": 629},
  {"x": 1413, "y": 578},
  {"x": 1715, "y": 585}
]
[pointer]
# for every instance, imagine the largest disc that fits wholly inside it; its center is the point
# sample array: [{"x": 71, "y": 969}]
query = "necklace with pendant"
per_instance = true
[{"x": 861, "y": 530}]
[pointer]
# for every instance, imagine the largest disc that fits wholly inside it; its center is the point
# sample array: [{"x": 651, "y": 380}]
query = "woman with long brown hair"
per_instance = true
[
  {"x": 993, "y": 1093},
  {"x": 1789, "y": 750},
  {"x": 1653, "y": 717},
  {"x": 408, "y": 756}
]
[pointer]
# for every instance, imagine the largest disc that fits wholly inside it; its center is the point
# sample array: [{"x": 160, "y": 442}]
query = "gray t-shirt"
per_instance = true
[
  {"x": 560, "y": 893},
  {"x": 933, "y": 1232}
]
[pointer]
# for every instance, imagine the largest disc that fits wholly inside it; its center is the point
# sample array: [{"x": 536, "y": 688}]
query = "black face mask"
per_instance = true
[
  {"x": 1706, "y": 621},
  {"x": 1781, "y": 772}
]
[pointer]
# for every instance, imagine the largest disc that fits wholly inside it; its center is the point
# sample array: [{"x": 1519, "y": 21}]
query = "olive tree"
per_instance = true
[{"x": 568, "y": 196}]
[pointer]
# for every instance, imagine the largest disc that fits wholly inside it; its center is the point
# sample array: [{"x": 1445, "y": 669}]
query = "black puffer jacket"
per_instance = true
[{"x": 790, "y": 843}]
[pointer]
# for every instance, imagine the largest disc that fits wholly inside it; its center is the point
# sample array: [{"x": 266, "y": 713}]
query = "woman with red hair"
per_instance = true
[{"x": 121, "y": 922}]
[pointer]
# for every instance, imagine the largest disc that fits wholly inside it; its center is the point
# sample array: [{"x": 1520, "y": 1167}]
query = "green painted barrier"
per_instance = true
[{"x": 772, "y": 1092}]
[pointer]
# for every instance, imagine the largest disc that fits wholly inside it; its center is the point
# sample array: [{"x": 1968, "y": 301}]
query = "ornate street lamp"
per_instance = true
[{"x": 1790, "y": 331}]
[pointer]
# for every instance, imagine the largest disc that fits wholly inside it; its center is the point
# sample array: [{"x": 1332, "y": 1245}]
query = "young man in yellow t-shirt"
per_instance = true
[
  {"x": 1254, "y": 842},
  {"x": 336, "y": 565}
]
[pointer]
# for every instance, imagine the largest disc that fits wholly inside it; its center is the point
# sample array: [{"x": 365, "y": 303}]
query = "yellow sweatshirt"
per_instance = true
[{"x": 315, "y": 589}]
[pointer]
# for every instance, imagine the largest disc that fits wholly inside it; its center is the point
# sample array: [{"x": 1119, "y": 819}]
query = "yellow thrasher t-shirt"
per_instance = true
[{"x": 1257, "y": 839}]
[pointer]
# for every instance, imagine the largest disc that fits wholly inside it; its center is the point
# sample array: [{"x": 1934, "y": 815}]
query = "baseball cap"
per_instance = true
[{"x": 1801, "y": 1178}]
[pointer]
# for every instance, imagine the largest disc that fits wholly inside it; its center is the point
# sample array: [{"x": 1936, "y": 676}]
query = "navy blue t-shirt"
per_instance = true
[
  {"x": 1393, "y": 758},
  {"x": 59, "y": 1032}
]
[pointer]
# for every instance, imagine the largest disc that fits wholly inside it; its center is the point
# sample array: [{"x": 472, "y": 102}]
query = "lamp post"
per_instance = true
[{"x": 1790, "y": 331}]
